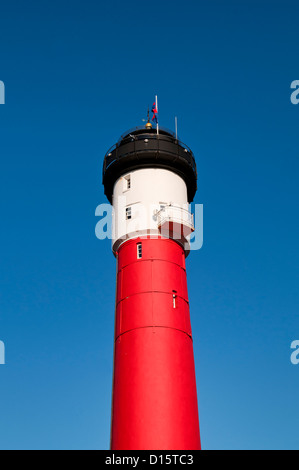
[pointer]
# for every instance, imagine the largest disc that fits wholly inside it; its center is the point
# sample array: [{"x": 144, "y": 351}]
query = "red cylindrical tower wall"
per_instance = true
[{"x": 154, "y": 403}]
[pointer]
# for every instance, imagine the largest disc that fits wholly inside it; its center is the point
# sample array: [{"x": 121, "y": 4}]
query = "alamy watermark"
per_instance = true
[
  {"x": 295, "y": 353},
  {"x": 2, "y": 93},
  {"x": 167, "y": 221},
  {"x": 295, "y": 95},
  {"x": 2, "y": 353}
]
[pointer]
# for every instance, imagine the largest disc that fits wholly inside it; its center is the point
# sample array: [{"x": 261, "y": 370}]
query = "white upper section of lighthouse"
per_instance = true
[{"x": 150, "y": 201}]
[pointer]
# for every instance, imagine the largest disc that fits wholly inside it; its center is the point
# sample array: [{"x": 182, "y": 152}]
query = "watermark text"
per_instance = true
[
  {"x": 295, "y": 353},
  {"x": 2, "y": 93},
  {"x": 167, "y": 221},
  {"x": 295, "y": 94},
  {"x": 2, "y": 353}
]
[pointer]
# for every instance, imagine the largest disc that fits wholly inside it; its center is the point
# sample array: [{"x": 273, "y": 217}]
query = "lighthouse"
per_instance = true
[{"x": 150, "y": 178}]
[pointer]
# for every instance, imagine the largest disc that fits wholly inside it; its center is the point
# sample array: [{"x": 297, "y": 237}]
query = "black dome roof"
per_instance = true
[{"x": 142, "y": 147}]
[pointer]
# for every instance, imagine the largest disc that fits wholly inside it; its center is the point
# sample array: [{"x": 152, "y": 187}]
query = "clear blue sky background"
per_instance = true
[{"x": 77, "y": 75}]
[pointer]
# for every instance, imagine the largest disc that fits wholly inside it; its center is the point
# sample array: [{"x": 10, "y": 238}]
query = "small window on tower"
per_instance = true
[
  {"x": 128, "y": 213},
  {"x": 139, "y": 250},
  {"x": 174, "y": 299},
  {"x": 127, "y": 181}
]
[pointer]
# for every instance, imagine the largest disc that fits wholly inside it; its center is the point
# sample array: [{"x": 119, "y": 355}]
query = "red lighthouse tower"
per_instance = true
[{"x": 150, "y": 179}]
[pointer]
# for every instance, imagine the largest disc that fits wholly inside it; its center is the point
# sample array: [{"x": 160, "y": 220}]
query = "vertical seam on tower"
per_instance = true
[
  {"x": 119, "y": 304},
  {"x": 152, "y": 297}
]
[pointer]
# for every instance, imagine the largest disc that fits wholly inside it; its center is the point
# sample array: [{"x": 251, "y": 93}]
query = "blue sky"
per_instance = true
[{"x": 77, "y": 75}]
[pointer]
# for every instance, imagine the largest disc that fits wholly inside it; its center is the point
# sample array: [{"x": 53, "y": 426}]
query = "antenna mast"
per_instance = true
[{"x": 158, "y": 115}]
